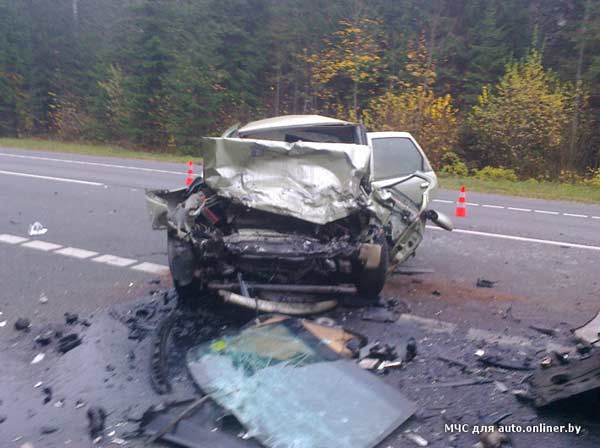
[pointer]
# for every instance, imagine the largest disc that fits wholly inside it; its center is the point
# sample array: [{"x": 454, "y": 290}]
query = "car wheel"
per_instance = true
[
  {"x": 369, "y": 282},
  {"x": 182, "y": 264}
]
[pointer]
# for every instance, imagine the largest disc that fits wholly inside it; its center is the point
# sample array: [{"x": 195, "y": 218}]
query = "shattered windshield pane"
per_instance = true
[{"x": 289, "y": 389}]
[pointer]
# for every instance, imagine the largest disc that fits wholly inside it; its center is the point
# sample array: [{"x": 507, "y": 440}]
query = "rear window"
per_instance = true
[
  {"x": 395, "y": 157},
  {"x": 320, "y": 134}
]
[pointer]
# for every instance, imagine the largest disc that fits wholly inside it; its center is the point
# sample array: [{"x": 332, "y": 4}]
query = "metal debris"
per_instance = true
[
  {"x": 96, "y": 419},
  {"x": 416, "y": 439},
  {"x": 68, "y": 343},
  {"x": 22, "y": 323},
  {"x": 38, "y": 358},
  {"x": 485, "y": 283},
  {"x": 590, "y": 331}
]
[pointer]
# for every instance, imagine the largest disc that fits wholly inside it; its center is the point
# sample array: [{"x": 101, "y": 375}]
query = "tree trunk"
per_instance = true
[{"x": 571, "y": 156}]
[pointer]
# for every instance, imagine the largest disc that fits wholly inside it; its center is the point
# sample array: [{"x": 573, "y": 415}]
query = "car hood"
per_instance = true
[{"x": 315, "y": 182}]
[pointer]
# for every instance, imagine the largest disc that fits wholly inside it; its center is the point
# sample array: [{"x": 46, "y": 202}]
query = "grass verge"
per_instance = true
[
  {"x": 530, "y": 189},
  {"x": 92, "y": 149}
]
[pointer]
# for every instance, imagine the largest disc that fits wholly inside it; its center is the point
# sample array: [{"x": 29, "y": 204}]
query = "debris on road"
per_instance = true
[
  {"x": 485, "y": 283},
  {"x": 68, "y": 342},
  {"x": 561, "y": 381},
  {"x": 416, "y": 438},
  {"x": 497, "y": 361},
  {"x": 96, "y": 419},
  {"x": 38, "y": 358},
  {"x": 412, "y": 270},
  {"x": 378, "y": 314},
  {"x": 22, "y": 324},
  {"x": 246, "y": 372},
  {"x": 544, "y": 330},
  {"x": 43, "y": 299},
  {"x": 493, "y": 439},
  {"x": 71, "y": 318},
  {"x": 37, "y": 229},
  {"x": 590, "y": 331}
]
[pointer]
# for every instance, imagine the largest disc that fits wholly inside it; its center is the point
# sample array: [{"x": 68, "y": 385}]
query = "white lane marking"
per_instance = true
[
  {"x": 76, "y": 253},
  {"x": 443, "y": 201},
  {"x": 41, "y": 245},
  {"x": 546, "y": 212},
  {"x": 522, "y": 238},
  {"x": 106, "y": 165},
  {"x": 472, "y": 204},
  {"x": 575, "y": 215},
  {"x": 59, "y": 179},
  {"x": 12, "y": 239},
  {"x": 518, "y": 209},
  {"x": 151, "y": 268},
  {"x": 492, "y": 206},
  {"x": 595, "y": 217},
  {"x": 113, "y": 260}
]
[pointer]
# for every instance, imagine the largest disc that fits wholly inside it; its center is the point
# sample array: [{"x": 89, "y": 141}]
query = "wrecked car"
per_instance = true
[{"x": 300, "y": 203}]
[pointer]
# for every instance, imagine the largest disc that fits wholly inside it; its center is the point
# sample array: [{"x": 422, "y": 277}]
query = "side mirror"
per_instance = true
[{"x": 439, "y": 219}]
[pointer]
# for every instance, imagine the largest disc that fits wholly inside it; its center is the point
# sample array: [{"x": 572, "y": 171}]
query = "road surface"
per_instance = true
[{"x": 100, "y": 250}]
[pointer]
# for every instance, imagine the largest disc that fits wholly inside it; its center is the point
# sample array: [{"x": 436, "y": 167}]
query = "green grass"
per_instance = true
[
  {"x": 530, "y": 189},
  {"x": 93, "y": 149}
]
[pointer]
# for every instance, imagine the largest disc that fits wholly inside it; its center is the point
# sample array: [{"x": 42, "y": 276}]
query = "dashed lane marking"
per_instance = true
[
  {"x": 524, "y": 239},
  {"x": 12, "y": 239},
  {"x": 105, "y": 165},
  {"x": 114, "y": 260},
  {"x": 59, "y": 179},
  {"x": 83, "y": 254},
  {"x": 41, "y": 245},
  {"x": 575, "y": 215},
  {"x": 151, "y": 268},
  {"x": 519, "y": 209},
  {"x": 77, "y": 253}
]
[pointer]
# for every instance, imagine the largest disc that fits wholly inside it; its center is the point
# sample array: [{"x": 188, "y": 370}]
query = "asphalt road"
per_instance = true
[
  {"x": 544, "y": 256},
  {"x": 547, "y": 251}
]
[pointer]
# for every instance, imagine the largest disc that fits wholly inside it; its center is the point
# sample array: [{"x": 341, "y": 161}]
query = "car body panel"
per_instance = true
[{"x": 401, "y": 181}]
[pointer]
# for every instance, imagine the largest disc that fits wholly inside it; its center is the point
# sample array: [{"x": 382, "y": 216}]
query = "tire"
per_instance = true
[
  {"x": 182, "y": 265},
  {"x": 370, "y": 282}
]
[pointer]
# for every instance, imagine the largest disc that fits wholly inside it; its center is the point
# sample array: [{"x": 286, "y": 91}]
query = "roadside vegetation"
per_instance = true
[{"x": 495, "y": 85}]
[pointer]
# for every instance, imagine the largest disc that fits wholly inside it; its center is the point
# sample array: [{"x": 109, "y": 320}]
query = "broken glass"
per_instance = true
[{"x": 290, "y": 389}]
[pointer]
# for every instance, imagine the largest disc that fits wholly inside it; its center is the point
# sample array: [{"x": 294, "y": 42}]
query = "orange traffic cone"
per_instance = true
[
  {"x": 461, "y": 204},
  {"x": 190, "y": 173}
]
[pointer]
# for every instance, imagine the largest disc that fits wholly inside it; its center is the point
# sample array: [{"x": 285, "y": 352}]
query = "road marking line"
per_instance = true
[
  {"x": 41, "y": 245},
  {"x": 472, "y": 204},
  {"x": 522, "y": 238},
  {"x": 492, "y": 206},
  {"x": 59, "y": 179},
  {"x": 518, "y": 209},
  {"x": 76, "y": 253},
  {"x": 574, "y": 215},
  {"x": 81, "y": 162},
  {"x": 12, "y": 239},
  {"x": 595, "y": 217},
  {"x": 444, "y": 201},
  {"x": 113, "y": 260},
  {"x": 151, "y": 268},
  {"x": 546, "y": 212}
]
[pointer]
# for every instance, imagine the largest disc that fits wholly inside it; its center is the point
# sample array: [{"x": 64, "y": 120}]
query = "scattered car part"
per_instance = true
[
  {"x": 590, "y": 331},
  {"x": 485, "y": 283},
  {"x": 342, "y": 404},
  {"x": 68, "y": 343},
  {"x": 22, "y": 324},
  {"x": 267, "y": 306},
  {"x": 96, "y": 419},
  {"x": 559, "y": 382}
]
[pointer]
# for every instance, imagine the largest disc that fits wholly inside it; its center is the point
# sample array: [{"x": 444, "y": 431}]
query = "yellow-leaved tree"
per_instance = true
[
  {"x": 414, "y": 107},
  {"x": 349, "y": 63},
  {"x": 522, "y": 123}
]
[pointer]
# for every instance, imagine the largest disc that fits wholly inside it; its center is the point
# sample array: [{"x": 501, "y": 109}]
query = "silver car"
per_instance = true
[{"x": 299, "y": 203}]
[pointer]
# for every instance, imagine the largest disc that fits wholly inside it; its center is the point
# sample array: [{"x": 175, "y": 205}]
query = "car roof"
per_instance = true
[
  {"x": 373, "y": 135},
  {"x": 290, "y": 121}
]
